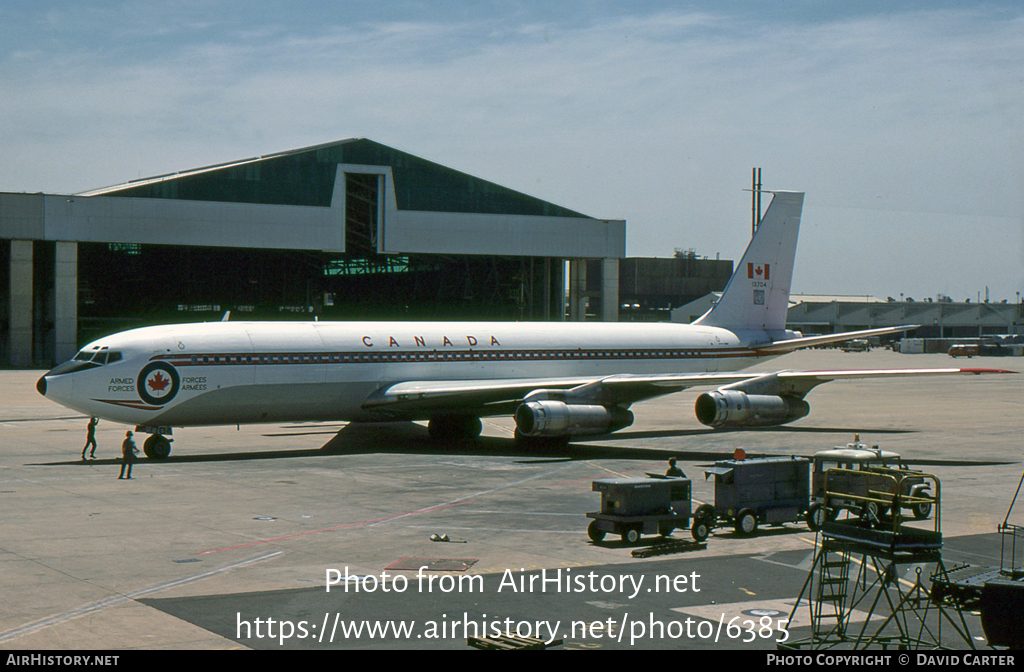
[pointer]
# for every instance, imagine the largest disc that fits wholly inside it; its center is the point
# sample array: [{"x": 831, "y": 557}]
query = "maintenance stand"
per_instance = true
[{"x": 896, "y": 613}]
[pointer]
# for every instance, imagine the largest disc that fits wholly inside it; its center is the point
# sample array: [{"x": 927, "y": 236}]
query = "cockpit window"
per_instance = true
[{"x": 102, "y": 357}]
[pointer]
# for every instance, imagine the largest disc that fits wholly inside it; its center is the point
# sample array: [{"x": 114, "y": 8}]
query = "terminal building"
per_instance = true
[
  {"x": 346, "y": 230},
  {"x": 938, "y": 319}
]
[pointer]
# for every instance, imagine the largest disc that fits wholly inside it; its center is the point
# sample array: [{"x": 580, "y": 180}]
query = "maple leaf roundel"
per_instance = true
[{"x": 157, "y": 384}]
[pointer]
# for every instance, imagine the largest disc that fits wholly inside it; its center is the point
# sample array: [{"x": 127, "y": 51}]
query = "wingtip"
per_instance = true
[{"x": 978, "y": 372}]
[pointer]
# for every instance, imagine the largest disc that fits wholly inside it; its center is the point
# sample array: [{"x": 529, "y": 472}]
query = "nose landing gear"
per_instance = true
[{"x": 157, "y": 446}]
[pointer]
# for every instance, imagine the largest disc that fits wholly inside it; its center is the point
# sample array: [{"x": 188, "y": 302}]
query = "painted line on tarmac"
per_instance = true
[
  {"x": 36, "y": 626},
  {"x": 598, "y": 466},
  {"x": 499, "y": 427},
  {"x": 459, "y": 501},
  {"x": 331, "y": 529}
]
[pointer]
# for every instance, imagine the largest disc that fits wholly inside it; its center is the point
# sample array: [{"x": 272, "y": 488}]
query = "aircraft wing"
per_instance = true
[
  {"x": 493, "y": 397},
  {"x": 420, "y": 399},
  {"x": 799, "y": 383}
]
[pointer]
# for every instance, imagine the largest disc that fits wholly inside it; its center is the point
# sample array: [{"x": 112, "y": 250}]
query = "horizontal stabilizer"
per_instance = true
[{"x": 792, "y": 344}]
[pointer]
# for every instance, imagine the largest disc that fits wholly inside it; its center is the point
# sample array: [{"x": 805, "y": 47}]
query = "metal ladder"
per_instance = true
[{"x": 833, "y": 584}]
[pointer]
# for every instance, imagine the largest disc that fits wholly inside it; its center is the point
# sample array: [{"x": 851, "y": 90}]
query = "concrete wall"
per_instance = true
[
  {"x": 610, "y": 290},
  {"x": 66, "y": 301},
  {"x": 504, "y": 235},
  {"x": 20, "y": 304},
  {"x": 21, "y": 216},
  {"x": 155, "y": 221}
]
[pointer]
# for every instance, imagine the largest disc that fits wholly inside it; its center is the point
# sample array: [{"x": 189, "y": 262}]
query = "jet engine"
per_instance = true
[
  {"x": 733, "y": 408},
  {"x": 548, "y": 417}
]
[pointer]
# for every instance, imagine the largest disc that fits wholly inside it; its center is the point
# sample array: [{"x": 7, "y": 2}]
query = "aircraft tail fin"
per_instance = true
[{"x": 757, "y": 296}]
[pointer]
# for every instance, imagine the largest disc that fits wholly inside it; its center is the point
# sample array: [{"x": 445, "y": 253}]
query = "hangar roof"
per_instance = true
[{"x": 306, "y": 177}]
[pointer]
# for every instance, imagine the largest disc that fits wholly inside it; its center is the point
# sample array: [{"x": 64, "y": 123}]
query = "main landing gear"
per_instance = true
[
  {"x": 454, "y": 428},
  {"x": 467, "y": 428}
]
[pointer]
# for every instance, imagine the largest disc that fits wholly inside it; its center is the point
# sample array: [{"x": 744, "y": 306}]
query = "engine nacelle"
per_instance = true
[
  {"x": 732, "y": 408},
  {"x": 557, "y": 418}
]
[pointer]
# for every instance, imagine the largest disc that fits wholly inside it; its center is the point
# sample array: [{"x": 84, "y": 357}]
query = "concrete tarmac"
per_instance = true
[{"x": 245, "y": 523}]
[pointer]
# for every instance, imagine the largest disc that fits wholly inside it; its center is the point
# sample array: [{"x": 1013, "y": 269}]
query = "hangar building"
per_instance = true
[{"x": 345, "y": 230}]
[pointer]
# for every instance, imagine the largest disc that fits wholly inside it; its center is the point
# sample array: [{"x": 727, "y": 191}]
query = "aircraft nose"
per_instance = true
[{"x": 41, "y": 386}]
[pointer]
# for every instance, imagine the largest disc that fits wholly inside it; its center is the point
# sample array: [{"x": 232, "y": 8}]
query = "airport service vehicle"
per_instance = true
[
  {"x": 963, "y": 350},
  {"x": 558, "y": 380},
  {"x": 856, "y": 345},
  {"x": 865, "y": 474},
  {"x": 754, "y": 491},
  {"x": 632, "y": 507}
]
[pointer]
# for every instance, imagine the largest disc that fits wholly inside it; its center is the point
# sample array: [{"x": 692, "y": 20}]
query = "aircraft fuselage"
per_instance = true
[{"x": 252, "y": 372}]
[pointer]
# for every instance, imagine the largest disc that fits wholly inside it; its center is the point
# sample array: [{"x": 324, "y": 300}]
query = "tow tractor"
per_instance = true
[{"x": 915, "y": 488}]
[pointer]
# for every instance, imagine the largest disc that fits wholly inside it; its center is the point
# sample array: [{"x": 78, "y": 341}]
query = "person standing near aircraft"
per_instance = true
[
  {"x": 128, "y": 452},
  {"x": 673, "y": 470},
  {"x": 90, "y": 438}
]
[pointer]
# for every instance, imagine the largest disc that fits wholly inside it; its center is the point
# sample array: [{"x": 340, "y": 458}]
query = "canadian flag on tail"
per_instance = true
[{"x": 758, "y": 271}]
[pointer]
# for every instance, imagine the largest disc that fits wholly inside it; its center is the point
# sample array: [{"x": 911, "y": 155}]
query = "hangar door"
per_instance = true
[{"x": 363, "y": 212}]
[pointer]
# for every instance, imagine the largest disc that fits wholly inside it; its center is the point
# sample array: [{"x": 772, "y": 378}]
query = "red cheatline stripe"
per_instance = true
[
  {"x": 130, "y": 404},
  {"x": 329, "y": 529}
]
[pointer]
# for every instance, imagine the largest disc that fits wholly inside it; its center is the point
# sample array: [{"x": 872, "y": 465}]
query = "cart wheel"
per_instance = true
[
  {"x": 700, "y": 529},
  {"x": 816, "y": 516},
  {"x": 595, "y": 533},
  {"x": 922, "y": 511},
  {"x": 746, "y": 522},
  {"x": 631, "y": 536},
  {"x": 871, "y": 511}
]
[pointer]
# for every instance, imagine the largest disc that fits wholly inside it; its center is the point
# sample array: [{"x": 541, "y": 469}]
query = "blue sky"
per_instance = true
[{"x": 903, "y": 122}]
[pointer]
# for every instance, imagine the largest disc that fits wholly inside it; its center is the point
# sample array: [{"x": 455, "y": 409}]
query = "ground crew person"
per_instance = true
[
  {"x": 673, "y": 470},
  {"x": 90, "y": 438},
  {"x": 128, "y": 452}
]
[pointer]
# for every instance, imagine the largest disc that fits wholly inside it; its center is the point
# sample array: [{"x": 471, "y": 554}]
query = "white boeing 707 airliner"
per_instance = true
[{"x": 558, "y": 379}]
